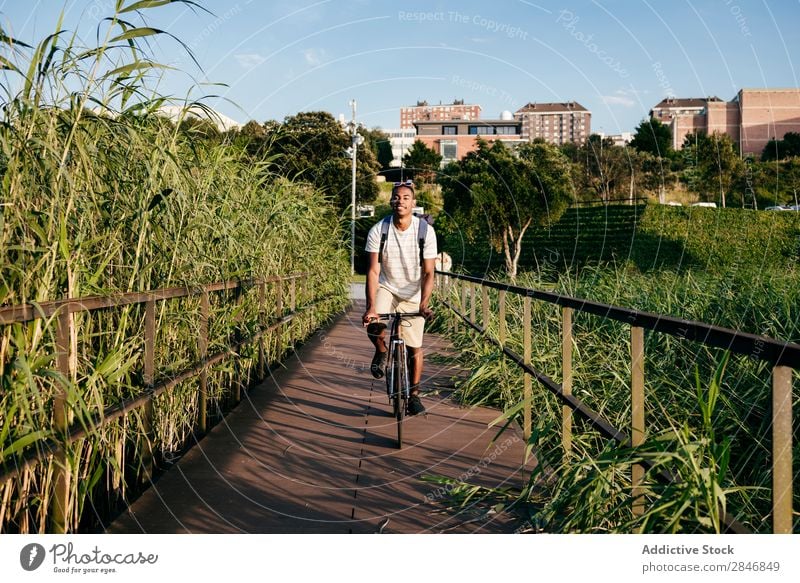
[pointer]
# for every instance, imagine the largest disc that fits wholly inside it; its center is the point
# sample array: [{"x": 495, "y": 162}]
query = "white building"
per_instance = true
[{"x": 401, "y": 140}]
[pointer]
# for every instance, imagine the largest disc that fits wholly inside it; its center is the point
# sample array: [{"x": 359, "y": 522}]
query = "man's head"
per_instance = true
[{"x": 403, "y": 199}]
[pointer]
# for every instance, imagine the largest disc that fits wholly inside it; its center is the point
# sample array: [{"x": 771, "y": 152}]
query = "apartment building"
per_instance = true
[
  {"x": 454, "y": 139},
  {"x": 423, "y": 111},
  {"x": 751, "y": 119},
  {"x": 400, "y": 140},
  {"x": 557, "y": 123}
]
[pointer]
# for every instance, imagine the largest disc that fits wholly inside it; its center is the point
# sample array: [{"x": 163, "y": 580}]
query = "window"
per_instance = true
[
  {"x": 449, "y": 130},
  {"x": 481, "y": 130},
  {"x": 506, "y": 130},
  {"x": 449, "y": 151}
]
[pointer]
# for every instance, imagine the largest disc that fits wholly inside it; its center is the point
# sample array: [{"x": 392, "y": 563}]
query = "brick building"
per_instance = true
[
  {"x": 422, "y": 111},
  {"x": 751, "y": 119},
  {"x": 557, "y": 123},
  {"x": 454, "y": 139}
]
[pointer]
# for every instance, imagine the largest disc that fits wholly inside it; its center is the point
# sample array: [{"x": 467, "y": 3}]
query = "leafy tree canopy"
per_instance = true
[
  {"x": 507, "y": 191},
  {"x": 653, "y": 137},
  {"x": 421, "y": 162}
]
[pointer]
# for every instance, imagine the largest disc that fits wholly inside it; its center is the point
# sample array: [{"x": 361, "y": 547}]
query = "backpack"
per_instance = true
[{"x": 425, "y": 220}]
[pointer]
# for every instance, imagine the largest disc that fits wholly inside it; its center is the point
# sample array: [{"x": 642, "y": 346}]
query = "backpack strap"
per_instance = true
[
  {"x": 384, "y": 235},
  {"x": 422, "y": 234}
]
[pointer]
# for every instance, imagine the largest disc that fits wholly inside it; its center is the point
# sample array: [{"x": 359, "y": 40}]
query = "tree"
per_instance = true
[
  {"x": 507, "y": 192},
  {"x": 653, "y": 137},
  {"x": 655, "y": 174},
  {"x": 788, "y": 147},
  {"x": 313, "y": 146},
  {"x": 421, "y": 162},
  {"x": 378, "y": 141},
  {"x": 606, "y": 167},
  {"x": 713, "y": 164}
]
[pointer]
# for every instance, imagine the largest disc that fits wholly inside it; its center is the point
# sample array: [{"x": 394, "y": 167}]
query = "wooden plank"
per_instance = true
[
  {"x": 782, "y": 450},
  {"x": 149, "y": 381},
  {"x": 59, "y": 502},
  {"x": 501, "y": 316},
  {"x": 202, "y": 343},
  {"x": 637, "y": 414},
  {"x": 526, "y": 388},
  {"x": 566, "y": 375}
]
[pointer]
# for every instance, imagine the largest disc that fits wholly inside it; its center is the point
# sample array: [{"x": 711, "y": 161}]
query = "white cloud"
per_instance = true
[
  {"x": 315, "y": 57},
  {"x": 618, "y": 100},
  {"x": 250, "y": 60}
]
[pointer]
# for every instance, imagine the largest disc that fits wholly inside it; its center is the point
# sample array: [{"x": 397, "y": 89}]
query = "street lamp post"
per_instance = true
[{"x": 356, "y": 139}]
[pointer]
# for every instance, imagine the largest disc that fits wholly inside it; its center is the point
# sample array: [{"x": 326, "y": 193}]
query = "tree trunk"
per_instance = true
[{"x": 512, "y": 246}]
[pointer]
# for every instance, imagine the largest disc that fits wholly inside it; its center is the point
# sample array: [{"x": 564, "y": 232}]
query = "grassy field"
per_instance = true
[{"x": 652, "y": 237}]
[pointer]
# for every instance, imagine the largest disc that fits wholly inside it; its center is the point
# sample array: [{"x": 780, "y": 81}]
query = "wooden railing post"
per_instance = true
[
  {"x": 472, "y": 299},
  {"x": 59, "y": 503},
  {"x": 463, "y": 306},
  {"x": 526, "y": 387},
  {"x": 566, "y": 378},
  {"x": 149, "y": 381},
  {"x": 501, "y": 316},
  {"x": 202, "y": 343},
  {"x": 292, "y": 308},
  {"x": 262, "y": 295},
  {"x": 279, "y": 310},
  {"x": 485, "y": 307},
  {"x": 637, "y": 414},
  {"x": 782, "y": 450}
]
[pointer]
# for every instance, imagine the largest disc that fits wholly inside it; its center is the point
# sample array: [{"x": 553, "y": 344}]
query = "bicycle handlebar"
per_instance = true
[{"x": 401, "y": 315}]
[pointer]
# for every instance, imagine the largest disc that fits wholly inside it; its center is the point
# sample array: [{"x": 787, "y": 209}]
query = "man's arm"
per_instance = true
[
  {"x": 373, "y": 272},
  {"x": 428, "y": 273}
]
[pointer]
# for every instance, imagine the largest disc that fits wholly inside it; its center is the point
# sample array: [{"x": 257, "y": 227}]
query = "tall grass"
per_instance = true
[
  {"x": 707, "y": 423},
  {"x": 100, "y": 195}
]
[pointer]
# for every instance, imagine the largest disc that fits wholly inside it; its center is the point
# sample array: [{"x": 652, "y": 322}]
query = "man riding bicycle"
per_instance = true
[{"x": 400, "y": 279}]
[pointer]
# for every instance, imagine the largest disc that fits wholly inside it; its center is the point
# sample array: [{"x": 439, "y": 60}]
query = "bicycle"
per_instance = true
[{"x": 398, "y": 387}]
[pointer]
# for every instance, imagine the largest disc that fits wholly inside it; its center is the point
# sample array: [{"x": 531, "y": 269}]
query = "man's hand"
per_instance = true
[
  {"x": 368, "y": 317},
  {"x": 426, "y": 312}
]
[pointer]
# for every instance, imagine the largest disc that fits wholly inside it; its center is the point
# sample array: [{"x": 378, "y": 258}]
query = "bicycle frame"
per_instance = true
[{"x": 398, "y": 386}]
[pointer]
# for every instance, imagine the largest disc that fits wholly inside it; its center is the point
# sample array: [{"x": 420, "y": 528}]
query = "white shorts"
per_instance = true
[{"x": 411, "y": 329}]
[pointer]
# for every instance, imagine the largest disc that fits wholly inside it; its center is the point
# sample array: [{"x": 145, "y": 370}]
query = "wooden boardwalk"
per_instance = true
[{"x": 313, "y": 450}]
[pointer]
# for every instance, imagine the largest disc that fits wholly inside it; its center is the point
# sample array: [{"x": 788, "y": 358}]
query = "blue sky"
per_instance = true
[{"x": 617, "y": 58}]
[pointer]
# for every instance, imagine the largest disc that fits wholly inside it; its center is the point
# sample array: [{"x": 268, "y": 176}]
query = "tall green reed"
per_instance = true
[
  {"x": 101, "y": 195},
  {"x": 730, "y": 436}
]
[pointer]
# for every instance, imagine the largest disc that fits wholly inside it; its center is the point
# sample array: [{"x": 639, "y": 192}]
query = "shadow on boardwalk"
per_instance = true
[{"x": 313, "y": 450}]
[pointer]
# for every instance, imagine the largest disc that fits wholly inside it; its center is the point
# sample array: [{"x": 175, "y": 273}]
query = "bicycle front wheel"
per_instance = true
[{"x": 400, "y": 392}]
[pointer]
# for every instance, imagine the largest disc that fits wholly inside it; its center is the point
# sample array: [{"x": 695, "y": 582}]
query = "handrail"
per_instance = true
[
  {"x": 783, "y": 355},
  {"x": 80, "y": 431},
  {"x": 61, "y": 311},
  {"x": 34, "y": 311},
  {"x": 777, "y": 352}
]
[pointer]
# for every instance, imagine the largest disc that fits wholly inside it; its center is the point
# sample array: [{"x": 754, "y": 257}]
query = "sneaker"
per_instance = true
[
  {"x": 378, "y": 362},
  {"x": 415, "y": 406}
]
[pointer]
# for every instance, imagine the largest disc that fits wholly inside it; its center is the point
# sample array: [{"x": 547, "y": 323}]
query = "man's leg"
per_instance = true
[
  {"x": 415, "y": 360},
  {"x": 415, "y": 406},
  {"x": 376, "y": 332}
]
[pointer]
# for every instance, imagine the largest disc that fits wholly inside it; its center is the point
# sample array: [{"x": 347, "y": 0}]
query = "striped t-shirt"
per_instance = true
[{"x": 401, "y": 272}]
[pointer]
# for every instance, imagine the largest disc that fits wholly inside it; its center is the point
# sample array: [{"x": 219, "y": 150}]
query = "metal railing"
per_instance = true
[
  {"x": 63, "y": 310},
  {"x": 784, "y": 356}
]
